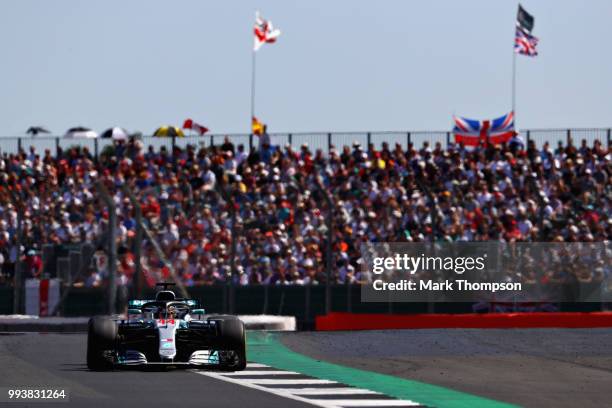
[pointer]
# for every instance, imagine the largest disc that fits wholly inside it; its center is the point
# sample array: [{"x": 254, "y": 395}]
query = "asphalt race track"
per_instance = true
[
  {"x": 534, "y": 368},
  {"x": 58, "y": 360},
  {"x": 527, "y": 367}
]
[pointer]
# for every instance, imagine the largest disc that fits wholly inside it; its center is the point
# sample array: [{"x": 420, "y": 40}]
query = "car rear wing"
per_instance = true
[{"x": 137, "y": 303}]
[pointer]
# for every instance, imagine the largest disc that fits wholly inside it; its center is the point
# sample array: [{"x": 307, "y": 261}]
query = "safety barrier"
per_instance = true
[
  {"x": 352, "y": 321},
  {"x": 303, "y": 302},
  {"x": 6, "y": 300}
]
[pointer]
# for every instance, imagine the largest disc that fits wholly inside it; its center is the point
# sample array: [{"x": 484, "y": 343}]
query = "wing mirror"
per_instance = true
[
  {"x": 198, "y": 312},
  {"x": 134, "y": 311}
]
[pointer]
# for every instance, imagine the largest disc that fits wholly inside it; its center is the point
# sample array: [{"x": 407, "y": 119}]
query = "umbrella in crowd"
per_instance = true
[
  {"x": 34, "y": 130},
  {"x": 80, "y": 133},
  {"x": 115, "y": 133},
  {"x": 169, "y": 131}
]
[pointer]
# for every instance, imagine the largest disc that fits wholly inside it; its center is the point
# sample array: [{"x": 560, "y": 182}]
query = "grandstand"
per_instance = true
[{"x": 396, "y": 191}]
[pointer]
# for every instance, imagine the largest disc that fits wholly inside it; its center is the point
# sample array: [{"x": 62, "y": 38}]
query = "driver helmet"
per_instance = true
[{"x": 172, "y": 312}]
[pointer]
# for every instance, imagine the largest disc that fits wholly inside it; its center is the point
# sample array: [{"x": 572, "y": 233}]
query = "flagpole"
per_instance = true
[
  {"x": 252, "y": 89},
  {"x": 514, "y": 82},
  {"x": 514, "y": 67}
]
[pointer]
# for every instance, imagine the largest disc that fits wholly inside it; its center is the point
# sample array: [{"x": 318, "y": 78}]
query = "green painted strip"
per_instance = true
[{"x": 265, "y": 348}]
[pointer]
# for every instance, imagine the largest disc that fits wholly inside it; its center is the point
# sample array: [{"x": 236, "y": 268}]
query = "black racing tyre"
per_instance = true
[
  {"x": 232, "y": 338},
  {"x": 101, "y": 337}
]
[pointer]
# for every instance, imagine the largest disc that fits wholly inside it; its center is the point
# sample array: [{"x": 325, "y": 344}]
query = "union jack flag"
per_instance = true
[
  {"x": 471, "y": 132},
  {"x": 525, "y": 43}
]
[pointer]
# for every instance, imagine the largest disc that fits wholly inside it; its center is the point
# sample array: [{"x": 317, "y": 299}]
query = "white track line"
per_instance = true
[
  {"x": 368, "y": 403},
  {"x": 298, "y": 381},
  {"x": 298, "y": 394},
  {"x": 328, "y": 391},
  {"x": 254, "y": 372},
  {"x": 264, "y": 389}
]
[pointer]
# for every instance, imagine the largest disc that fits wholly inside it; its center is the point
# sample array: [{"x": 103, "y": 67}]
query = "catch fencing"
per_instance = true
[{"x": 323, "y": 141}]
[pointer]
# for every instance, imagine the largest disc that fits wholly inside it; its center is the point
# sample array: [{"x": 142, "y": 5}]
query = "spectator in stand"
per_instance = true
[
  {"x": 33, "y": 264},
  {"x": 227, "y": 145}
]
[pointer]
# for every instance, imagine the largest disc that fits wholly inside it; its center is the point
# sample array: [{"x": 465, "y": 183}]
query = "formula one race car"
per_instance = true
[{"x": 166, "y": 331}]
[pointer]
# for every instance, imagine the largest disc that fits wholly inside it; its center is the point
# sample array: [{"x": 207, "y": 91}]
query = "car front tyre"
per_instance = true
[
  {"x": 101, "y": 338},
  {"x": 232, "y": 338}
]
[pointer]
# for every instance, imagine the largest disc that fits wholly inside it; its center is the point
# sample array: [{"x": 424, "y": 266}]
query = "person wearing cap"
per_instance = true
[{"x": 33, "y": 263}]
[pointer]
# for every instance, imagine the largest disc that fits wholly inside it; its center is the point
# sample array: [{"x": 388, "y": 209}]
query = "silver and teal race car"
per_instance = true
[{"x": 166, "y": 331}]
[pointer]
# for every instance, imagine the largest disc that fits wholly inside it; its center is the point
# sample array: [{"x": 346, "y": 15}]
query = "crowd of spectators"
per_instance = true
[{"x": 272, "y": 200}]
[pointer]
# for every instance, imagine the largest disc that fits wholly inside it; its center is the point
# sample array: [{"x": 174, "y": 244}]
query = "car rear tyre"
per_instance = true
[
  {"x": 101, "y": 338},
  {"x": 232, "y": 338}
]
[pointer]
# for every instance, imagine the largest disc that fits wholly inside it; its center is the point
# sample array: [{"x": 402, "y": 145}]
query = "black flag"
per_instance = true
[{"x": 524, "y": 20}]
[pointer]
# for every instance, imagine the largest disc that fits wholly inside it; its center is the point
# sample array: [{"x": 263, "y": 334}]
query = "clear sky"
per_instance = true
[{"x": 341, "y": 65}]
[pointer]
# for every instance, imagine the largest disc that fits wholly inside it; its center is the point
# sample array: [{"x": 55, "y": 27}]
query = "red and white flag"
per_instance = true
[
  {"x": 264, "y": 32},
  {"x": 190, "y": 124}
]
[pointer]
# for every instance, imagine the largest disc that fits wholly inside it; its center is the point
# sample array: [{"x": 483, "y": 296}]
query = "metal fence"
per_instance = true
[{"x": 314, "y": 140}]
